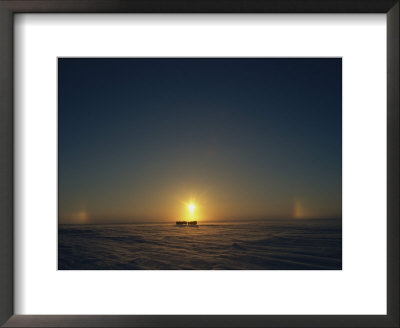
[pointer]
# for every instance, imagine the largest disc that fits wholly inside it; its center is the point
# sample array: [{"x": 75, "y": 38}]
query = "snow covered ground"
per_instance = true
[{"x": 259, "y": 245}]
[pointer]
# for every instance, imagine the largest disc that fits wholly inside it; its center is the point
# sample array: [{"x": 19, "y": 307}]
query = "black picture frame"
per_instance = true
[{"x": 10, "y": 7}]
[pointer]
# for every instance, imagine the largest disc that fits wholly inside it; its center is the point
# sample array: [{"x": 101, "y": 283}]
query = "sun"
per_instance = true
[{"x": 191, "y": 208}]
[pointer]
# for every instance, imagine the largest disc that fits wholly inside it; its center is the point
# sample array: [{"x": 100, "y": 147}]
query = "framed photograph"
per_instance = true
[{"x": 199, "y": 163}]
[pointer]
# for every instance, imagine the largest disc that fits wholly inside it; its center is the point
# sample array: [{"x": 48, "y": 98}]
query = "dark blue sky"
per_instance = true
[{"x": 242, "y": 138}]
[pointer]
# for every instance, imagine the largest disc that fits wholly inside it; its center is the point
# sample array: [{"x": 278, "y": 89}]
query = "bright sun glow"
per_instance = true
[{"x": 191, "y": 208}]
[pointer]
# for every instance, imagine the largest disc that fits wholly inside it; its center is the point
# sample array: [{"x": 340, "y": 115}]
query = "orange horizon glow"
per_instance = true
[{"x": 198, "y": 208}]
